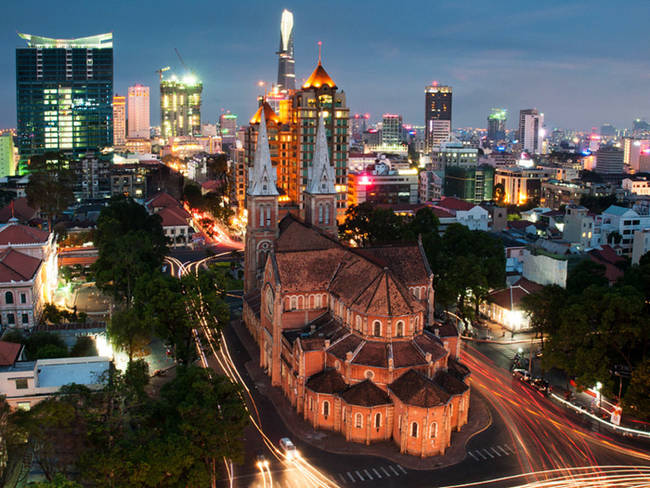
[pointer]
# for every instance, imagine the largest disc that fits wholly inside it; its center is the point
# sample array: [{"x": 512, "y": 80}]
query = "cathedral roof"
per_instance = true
[
  {"x": 404, "y": 260},
  {"x": 413, "y": 388},
  {"x": 297, "y": 236},
  {"x": 321, "y": 172},
  {"x": 307, "y": 270},
  {"x": 450, "y": 383},
  {"x": 319, "y": 78},
  {"x": 366, "y": 394},
  {"x": 327, "y": 381},
  {"x": 262, "y": 176},
  {"x": 269, "y": 114}
]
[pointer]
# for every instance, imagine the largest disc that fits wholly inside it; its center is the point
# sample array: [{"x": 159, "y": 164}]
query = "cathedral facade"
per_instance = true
[{"x": 348, "y": 334}]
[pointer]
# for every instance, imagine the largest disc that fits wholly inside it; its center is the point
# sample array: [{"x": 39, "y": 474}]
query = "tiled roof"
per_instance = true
[
  {"x": 510, "y": 297},
  {"x": 519, "y": 224},
  {"x": 21, "y": 210},
  {"x": 319, "y": 78},
  {"x": 161, "y": 200},
  {"x": 254, "y": 301},
  {"x": 22, "y": 234},
  {"x": 450, "y": 383},
  {"x": 445, "y": 329},
  {"x": 431, "y": 345},
  {"x": 453, "y": 203},
  {"x": 366, "y": 394},
  {"x": 345, "y": 345},
  {"x": 457, "y": 368},
  {"x": 296, "y": 236},
  {"x": 173, "y": 216},
  {"x": 307, "y": 270},
  {"x": 529, "y": 286},
  {"x": 413, "y": 388},
  {"x": 405, "y": 261},
  {"x": 16, "y": 266},
  {"x": 373, "y": 354},
  {"x": 9, "y": 352},
  {"x": 405, "y": 354},
  {"x": 327, "y": 381}
]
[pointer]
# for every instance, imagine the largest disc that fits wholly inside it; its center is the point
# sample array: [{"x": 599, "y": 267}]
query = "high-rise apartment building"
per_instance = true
[
  {"x": 609, "y": 160},
  {"x": 391, "y": 129},
  {"x": 138, "y": 110},
  {"x": 119, "y": 121},
  {"x": 496, "y": 128},
  {"x": 437, "y": 114},
  {"x": 286, "y": 62},
  {"x": 228, "y": 128},
  {"x": 531, "y": 123},
  {"x": 180, "y": 107},
  {"x": 7, "y": 159},
  {"x": 64, "y": 94}
]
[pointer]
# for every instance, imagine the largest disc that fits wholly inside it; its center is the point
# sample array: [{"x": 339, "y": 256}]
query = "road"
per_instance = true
[{"x": 529, "y": 434}]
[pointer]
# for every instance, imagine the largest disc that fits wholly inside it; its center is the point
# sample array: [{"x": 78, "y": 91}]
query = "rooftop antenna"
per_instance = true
[{"x": 320, "y": 44}]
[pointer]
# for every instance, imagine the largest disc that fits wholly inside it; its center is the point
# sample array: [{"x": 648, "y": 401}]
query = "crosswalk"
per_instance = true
[
  {"x": 493, "y": 452},
  {"x": 371, "y": 474}
]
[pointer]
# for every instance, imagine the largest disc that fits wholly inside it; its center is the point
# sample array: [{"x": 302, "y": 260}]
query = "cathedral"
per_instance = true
[{"x": 348, "y": 334}]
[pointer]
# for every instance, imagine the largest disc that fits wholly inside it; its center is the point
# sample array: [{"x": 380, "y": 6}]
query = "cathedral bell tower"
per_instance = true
[
  {"x": 262, "y": 206},
  {"x": 320, "y": 194}
]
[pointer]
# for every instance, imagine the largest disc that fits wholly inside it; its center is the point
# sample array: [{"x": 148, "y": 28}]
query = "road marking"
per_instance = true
[
  {"x": 359, "y": 475},
  {"x": 393, "y": 470},
  {"x": 376, "y": 473},
  {"x": 351, "y": 477},
  {"x": 343, "y": 480},
  {"x": 488, "y": 453},
  {"x": 385, "y": 472},
  {"x": 367, "y": 474},
  {"x": 479, "y": 453},
  {"x": 495, "y": 451},
  {"x": 401, "y": 468},
  {"x": 503, "y": 451},
  {"x": 509, "y": 448},
  {"x": 473, "y": 457}
]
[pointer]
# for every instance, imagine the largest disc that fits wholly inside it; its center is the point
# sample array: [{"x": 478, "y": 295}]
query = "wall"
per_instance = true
[{"x": 544, "y": 270}]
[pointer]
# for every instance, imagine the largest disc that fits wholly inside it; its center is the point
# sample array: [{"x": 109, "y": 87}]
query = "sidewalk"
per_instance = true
[{"x": 479, "y": 420}]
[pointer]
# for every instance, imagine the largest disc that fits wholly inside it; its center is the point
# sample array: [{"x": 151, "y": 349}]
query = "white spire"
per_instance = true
[
  {"x": 263, "y": 176},
  {"x": 321, "y": 172}
]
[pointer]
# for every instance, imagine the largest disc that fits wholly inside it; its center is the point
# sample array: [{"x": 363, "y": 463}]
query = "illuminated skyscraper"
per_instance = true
[
  {"x": 391, "y": 129},
  {"x": 286, "y": 63},
  {"x": 228, "y": 128},
  {"x": 119, "y": 121},
  {"x": 64, "y": 94},
  {"x": 139, "y": 112},
  {"x": 496, "y": 129},
  {"x": 437, "y": 114},
  {"x": 531, "y": 123},
  {"x": 180, "y": 107}
]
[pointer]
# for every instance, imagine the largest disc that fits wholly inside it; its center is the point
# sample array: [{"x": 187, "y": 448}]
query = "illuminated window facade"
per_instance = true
[
  {"x": 180, "y": 107},
  {"x": 64, "y": 95}
]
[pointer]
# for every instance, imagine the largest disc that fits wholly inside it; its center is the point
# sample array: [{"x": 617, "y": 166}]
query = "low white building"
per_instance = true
[
  {"x": 620, "y": 221},
  {"x": 176, "y": 221},
  {"x": 636, "y": 186},
  {"x": 471, "y": 216},
  {"x": 640, "y": 244},
  {"x": 504, "y": 306},
  {"x": 541, "y": 268}
]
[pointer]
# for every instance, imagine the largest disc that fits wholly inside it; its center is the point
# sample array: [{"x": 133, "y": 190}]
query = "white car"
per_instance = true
[{"x": 289, "y": 448}]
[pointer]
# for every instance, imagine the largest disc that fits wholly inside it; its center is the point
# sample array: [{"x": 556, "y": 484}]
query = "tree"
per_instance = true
[
  {"x": 637, "y": 397},
  {"x": 50, "y": 186},
  {"x": 597, "y": 204},
  {"x": 192, "y": 195},
  {"x": 83, "y": 347},
  {"x": 545, "y": 308},
  {"x": 367, "y": 225},
  {"x": 41, "y": 345},
  {"x": 131, "y": 244},
  {"x": 586, "y": 273},
  {"x": 58, "y": 481},
  {"x": 129, "y": 332}
]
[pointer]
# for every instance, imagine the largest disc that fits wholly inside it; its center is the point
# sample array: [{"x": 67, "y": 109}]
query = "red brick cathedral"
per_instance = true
[{"x": 348, "y": 334}]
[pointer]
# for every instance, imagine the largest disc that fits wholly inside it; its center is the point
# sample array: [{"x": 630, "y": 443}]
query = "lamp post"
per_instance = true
[{"x": 599, "y": 386}]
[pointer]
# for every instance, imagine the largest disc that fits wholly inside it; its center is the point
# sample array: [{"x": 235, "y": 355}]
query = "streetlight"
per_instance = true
[{"x": 598, "y": 387}]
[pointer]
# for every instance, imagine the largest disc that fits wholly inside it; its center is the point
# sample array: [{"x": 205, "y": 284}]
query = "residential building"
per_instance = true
[
  {"x": 616, "y": 226},
  {"x": 175, "y": 219},
  {"x": 544, "y": 267},
  {"x": 453, "y": 153},
  {"x": 496, "y": 125},
  {"x": 383, "y": 185},
  {"x": 92, "y": 175},
  {"x": 471, "y": 216},
  {"x": 430, "y": 186},
  {"x": 119, "y": 121},
  {"x": 504, "y": 306},
  {"x": 609, "y": 160},
  {"x": 636, "y": 186},
  {"x": 7, "y": 155},
  {"x": 437, "y": 114},
  {"x": 391, "y": 130},
  {"x": 286, "y": 61},
  {"x": 348, "y": 335},
  {"x": 64, "y": 94},
  {"x": 180, "y": 107},
  {"x": 640, "y": 244},
  {"x": 139, "y": 108},
  {"x": 228, "y": 128},
  {"x": 520, "y": 185},
  {"x": 531, "y": 123},
  {"x": 26, "y": 383},
  {"x": 579, "y": 227},
  {"x": 129, "y": 180},
  {"x": 472, "y": 184}
]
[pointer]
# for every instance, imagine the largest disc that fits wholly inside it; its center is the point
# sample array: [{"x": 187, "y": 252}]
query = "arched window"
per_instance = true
[
  {"x": 326, "y": 408},
  {"x": 377, "y": 420},
  {"x": 400, "y": 329},
  {"x": 311, "y": 406},
  {"x": 376, "y": 328},
  {"x": 317, "y": 303},
  {"x": 461, "y": 404},
  {"x": 320, "y": 213},
  {"x": 369, "y": 374},
  {"x": 433, "y": 430},
  {"x": 417, "y": 321},
  {"x": 357, "y": 323},
  {"x": 327, "y": 213},
  {"x": 347, "y": 316},
  {"x": 9, "y": 298},
  {"x": 451, "y": 409},
  {"x": 300, "y": 302},
  {"x": 358, "y": 420},
  {"x": 261, "y": 211},
  {"x": 345, "y": 420},
  {"x": 268, "y": 216},
  {"x": 294, "y": 303},
  {"x": 414, "y": 429}
]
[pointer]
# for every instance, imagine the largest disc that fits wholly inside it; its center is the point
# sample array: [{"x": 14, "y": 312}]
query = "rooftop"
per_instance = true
[
  {"x": 99, "y": 41},
  {"x": 83, "y": 371},
  {"x": 319, "y": 78}
]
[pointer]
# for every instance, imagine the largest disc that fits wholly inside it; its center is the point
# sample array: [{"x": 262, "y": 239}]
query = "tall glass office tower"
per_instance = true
[
  {"x": 64, "y": 94},
  {"x": 286, "y": 63}
]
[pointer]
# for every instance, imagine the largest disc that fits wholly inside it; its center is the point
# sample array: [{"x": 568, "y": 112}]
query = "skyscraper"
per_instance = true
[
  {"x": 391, "y": 129},
  {"x": 180, "y": 107},
  {"x": 437, "y": 114},
  {"x": 286, "y": 63},
  {"x": 119, "y": 121},
  {"x": 7, "y": 161},
  {"x": 138, "y": 107},
  {"x": 228, "y": 128},
  {"x": 64, "y": 94},
  {"x": 496, "y": 129},
  {"x": 530, "y": 127}
]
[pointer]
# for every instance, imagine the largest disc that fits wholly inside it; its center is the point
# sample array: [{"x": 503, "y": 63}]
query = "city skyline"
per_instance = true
[{"x": 552, "y": 58}]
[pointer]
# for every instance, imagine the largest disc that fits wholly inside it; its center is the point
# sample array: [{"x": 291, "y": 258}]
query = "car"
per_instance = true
[
  {"x": 521, "y": 374},
  {"x": 262, "y": 462},
  {"x": 289, "y": 448},
  {"x": 541, "y": 385}
]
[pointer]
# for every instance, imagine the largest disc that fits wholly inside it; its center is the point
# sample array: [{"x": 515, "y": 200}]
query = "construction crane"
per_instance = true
[
  {"x": 183, "y": 62},
  {"x": 161, "y": 71}
]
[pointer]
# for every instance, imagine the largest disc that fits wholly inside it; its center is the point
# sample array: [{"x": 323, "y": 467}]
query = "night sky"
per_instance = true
[{"x": 581, "y": 63}]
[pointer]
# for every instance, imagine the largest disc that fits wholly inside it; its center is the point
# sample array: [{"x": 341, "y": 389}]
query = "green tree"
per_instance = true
[
  {"x": 50, "y": 186},
  {"x": 41, "y": 345},
  {"x": 131, "y": 244},
  {"x": 83, "y": 347},
  {"x": 192, "y": 195},
  {"x": 637, "y": 397},
  {"x": 545, "y": 308},
  {"x": 586, "y": 273},
  {"x": 367, "y": 225},
  {"x": 58, "y": 481},
  {"x": 128, "y": 332}
]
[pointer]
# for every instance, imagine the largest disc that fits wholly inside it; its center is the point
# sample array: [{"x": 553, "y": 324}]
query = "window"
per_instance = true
[
  {"x": 25, "y": 318},
  {"x": 433, "y": 430},
  {"x": 358, "y": 421},
  {"x": 376, "y": 327},
  {"x": 317, "y": 303},
  {"x": 9, "y": 297},
  {"x": 400, "y": 329},
  {"x": 326, "y": 408},
  {"x": 311, "y": 406},
  {"x": 327, "y": 213},
  {"x": 24, "y": 406},
  {"x": 320, "y": 213},
  {"x": 23, "y": 298},
  {"x": 369, "y": 374},
  {"x": 461, "y": 404},
  {"x": 345, "y": 420},
  {"x": 377, "y": 420},
  {"x": 21, "y": 383},
  {"x": 268, "y": 216},
  {"x": 451, "y": 409},
  {"x": 414, "y": 429},
  {"x": 294, "y": 303},
  {"x": 11, "y": 320},
  {"x": 357, "y": 323}
]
